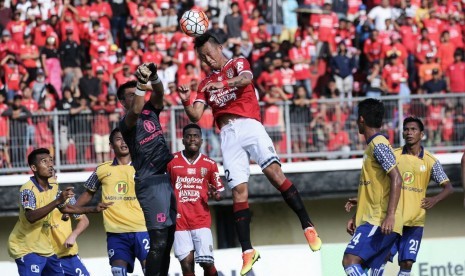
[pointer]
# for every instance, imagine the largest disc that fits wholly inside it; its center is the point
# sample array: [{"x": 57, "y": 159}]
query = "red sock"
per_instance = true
[
  {"x": 210, "y": 271},
  {"x": 188, "y": 274},
  {"x": 285, "y": 186},
  {"x": 237, "y": 206}
]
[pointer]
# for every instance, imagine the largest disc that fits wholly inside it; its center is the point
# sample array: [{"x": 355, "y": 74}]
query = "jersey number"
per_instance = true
[
  {"x": 356, "y": 238},
  {"x": 146, "y": 244},
  {"x": 79, "y": 272},
  {"x": 414, "y": 244},
  {"x": 226, "y": 175}
]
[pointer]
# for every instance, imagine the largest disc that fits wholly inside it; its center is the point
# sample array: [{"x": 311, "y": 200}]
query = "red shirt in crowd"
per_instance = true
[
  {"x": 337, "y": 140},
  {"x": 409, "y": 38},
  {"x": 17, "y": 29},
  {"x": 397, "y": 48},
  {"x": 29, "y": 50},
  {"x": 155, "y": 57},
  {"x": 9, "y": 47},
  {"x": 102, "y": 112},
  {"x": 13, "y": 76},
  {"x": 191, "y": 185},
  {"x": 40, "y": 34},
  {"x": 456, "y": 73},
  {"x": 373, "y": 49},
  {"x": 325, "y": 23},
  {"x": 435, "y": 28},
  {"x": 301, "y": 69},
  {"x": 104, "y": 11},
  {"x": 241, "y": 101},
  {"x": 424, "y": 47},
  {"x": 3, "y": 121},
  {"x": 446, "y": 54},
  {"x": 393, "y": 75},
  {"x": 161, "y": 40}
]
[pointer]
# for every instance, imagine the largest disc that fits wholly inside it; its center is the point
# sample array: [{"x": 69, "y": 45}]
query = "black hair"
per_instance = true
[
  {"x": 412, "y": 119},
  {"x": 206, "y": 37},
  {"x": 32, "y": 157},
  {"x": 123, "y": 87},
  {"x": 234, "y": 4},
  {"x": 113, "y": 133},
  {"x": 372, "y": 111},
  {"x": 189, "y": 126}
]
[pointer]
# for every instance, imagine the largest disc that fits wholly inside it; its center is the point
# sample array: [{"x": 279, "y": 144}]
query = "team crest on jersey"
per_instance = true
[
  {"x": 149, "y": 126},
  {"x": 230, "y": 73},
  {"x": 191, "y": 170},
  {"x": 121, "y": 188},
  {"x": 408, "y": 178},
  {"x": 203, "y": 172},
  {"x": 422, "y": 168}
]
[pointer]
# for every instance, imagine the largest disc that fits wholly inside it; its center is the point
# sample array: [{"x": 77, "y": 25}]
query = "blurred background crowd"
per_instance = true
[{"x": 71, "y": 56}]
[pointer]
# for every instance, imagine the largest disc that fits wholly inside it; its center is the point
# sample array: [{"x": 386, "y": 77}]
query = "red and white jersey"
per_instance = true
[
  {"x": 190, "y": 183},
  {"x": 242, "y": 101}
]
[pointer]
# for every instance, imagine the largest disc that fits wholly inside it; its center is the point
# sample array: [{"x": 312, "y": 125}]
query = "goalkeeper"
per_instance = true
[{"x": 149, "y": 151}]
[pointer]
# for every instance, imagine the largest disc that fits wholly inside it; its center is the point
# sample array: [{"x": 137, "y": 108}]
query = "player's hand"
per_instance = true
[
  {"x": 70, "y": 241},
  {"x": 64, "y": 195},
  {"x": 184, "y": 93},
  {"x": 65, "y": 217},
  {"x": 212, "y": 86},
  {"x": 428, "y": 202},
  {"x": 142, "y": 74},
  {"x": 153, "y": 71},
  {"x": 351, "y": 202},
  {"x": 102, "y": 206},
  {"x": 388, "y": 224},
  {"x": 213, "y": 193},
  {"x": 351, "y": 226}
]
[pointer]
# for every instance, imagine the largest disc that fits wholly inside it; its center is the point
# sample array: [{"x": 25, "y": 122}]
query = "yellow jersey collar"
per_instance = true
[
  {"x": 34, "y": 180},
  {"x": 422, "y": 152}
]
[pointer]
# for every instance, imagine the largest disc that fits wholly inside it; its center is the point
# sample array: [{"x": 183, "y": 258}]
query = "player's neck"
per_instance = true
[
  {"x": 414, "y": 149},
  {"x": 191, "y": 156},
  {"x": 369, "y": 132},
  {"x": 123, "y": 160},
  {"x": 43, "y": 182}
]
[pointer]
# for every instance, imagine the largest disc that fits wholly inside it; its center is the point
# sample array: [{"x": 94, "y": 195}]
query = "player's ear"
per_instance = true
[{"x": 33, "y": 167}]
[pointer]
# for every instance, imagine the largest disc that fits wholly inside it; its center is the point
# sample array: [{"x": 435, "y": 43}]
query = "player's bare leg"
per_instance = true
[
  {"x": 242, "y": 216},
  {"x": 292, "y": 197},
  {"x": 209, "y": 269},
  {"x": 187, "y": 265},
  {"x": 119, "y": 267},
  {"x": 353, "y": 265},
  {"x": 405, "y": 268}
]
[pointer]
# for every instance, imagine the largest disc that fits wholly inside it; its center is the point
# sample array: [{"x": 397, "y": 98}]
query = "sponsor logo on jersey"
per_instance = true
[
  {"x": 149, "y": 126},
  {"x": 408, "y": 178},
  {"x": 203, "y": 172},
  {"x": 230, "y": 73},
  {"x": 189, "y": 180},
  {"x": 121, "y": 188},
  {"x": 188, "y": 196},
  {"x": 208, "y": 160},
  {"x": 191, "y": 170}
]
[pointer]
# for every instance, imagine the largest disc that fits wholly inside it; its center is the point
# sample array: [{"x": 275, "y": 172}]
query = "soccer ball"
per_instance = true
[{"x": 194, "y": 22}]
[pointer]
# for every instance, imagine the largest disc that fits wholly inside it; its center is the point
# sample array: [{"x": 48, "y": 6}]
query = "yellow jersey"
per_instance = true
[
  {"x": 34, "y": 237},
  {"x": 118, "y": 186},
  {"x": 61, "y": 230},
  {"x": 375, "y": 184},
  {"x": 416, "y": 172}
]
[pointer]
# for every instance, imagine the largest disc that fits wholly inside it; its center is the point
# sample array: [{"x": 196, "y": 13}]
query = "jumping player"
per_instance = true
[
  {"x": 378, "y": 219},
  {"x": 231, "y": 95},
  {"x": 127, "y": 236},
  {"x": 149, "y": 151},
  {"x": 193, "y": 175}
]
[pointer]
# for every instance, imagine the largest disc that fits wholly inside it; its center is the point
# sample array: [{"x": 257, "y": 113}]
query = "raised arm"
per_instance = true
[
  {"x": 33, "y": 215},
  {"x": 158, "y": 91},
  {"x": 142, "y": 74},
  {"x": 193, "y": 111}
]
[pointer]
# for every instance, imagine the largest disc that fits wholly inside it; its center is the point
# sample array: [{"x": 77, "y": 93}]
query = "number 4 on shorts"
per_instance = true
[{"x": 355, "y": 239}]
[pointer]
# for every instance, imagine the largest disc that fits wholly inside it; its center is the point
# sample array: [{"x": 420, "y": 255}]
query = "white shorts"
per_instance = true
[
  {"x": 241, "y": 140},
  {"x": 102, "y": 143},
  {"x": 199, "y": 240}
]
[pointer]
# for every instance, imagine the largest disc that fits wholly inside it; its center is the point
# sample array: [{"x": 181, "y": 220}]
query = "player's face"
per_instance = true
[
  {"x": 128, "y": 97},
  {"x": 360, "y": 124},
  {"x": 119, "y": 146},
  {"x": 43, "y": 166},
  {"x": 412, "y": 134},
  {"x": 211, "y": 55},
  {"x": 192, "y": 140}
]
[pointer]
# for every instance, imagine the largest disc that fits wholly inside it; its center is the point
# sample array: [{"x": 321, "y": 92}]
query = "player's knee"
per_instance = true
[
  {"x": 240, "y": 193},
  {"x": 158, "y": 239},
  {"x": 118, "y": 271},
  {"x": 349, "y": 259}
]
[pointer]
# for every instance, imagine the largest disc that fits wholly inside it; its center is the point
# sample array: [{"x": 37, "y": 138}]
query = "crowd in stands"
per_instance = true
[{"x": 72, "y": 55}]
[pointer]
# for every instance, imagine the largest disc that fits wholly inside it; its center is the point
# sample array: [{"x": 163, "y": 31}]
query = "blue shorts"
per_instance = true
[
  {"x": 371, "y": 245},
  {"x": 33, "y": 264},
  {"x": 127, "y": 247},
  {"x": 408, "y": 244},
  {"x": 73, "y": 266}
]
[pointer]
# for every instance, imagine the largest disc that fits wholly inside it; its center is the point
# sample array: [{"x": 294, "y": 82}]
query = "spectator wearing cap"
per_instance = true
[
  {"x": 7, "y": 45},
  {"x": 455, "y": 73},
  {"x": 5, "y": 14},
  {"x": 425, "y": 71},
  {"x": 424, "y": 46},
  {"x": 14, "y": 74},
  {"x": 38, "y": 85},
  {"x": 104, "y": 12},
  {"x": 50, "y": 57},
  {"x": 434, "y": 85},
  {"x": 394, "y": 73},
  {"x": 218, "y": 32},
  {"x": 168, "y": 19},
  {"x": 41, "y": 32},
  {"x": 17, "y": 27},
  {"x": 445, "y": 51},
  {"x": 273, "y": 16},
  {"x": 262, "y": 35},
  {"x": 29, "y": 56},
  {"x": 89, "y": 85},
  {"x": 233, "y": 23},
  {"x": 343, "y": 67},
  {"x": 379, "y": 14},
  {"x": 18, "y": 117},
  {"x": 103, "y": 63},
  {"x": 70, "y": 60}
]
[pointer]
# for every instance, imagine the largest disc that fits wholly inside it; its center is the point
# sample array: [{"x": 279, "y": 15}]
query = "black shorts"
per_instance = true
[{"x": 158, "y": 202}]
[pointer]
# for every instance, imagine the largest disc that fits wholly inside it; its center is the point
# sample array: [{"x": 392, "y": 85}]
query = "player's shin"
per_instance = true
[
  {"x": 242, "y": 220},
  {"x": 156, "y": 259},
  {"x": 294, "y": 201}
]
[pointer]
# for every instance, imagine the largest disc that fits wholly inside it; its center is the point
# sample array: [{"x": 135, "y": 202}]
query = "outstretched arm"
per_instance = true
[
  {"x": 83, "y": 223},
  {"x": 73, "y": 209},
  {"x": 193, "y": 111},
  {"x": 244, "y": 79},
  {"x": 142, "y": 74}
]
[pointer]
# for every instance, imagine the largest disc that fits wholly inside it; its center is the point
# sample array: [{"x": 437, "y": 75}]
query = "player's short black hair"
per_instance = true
[
  {"x": 32, "y": 157},
  {"x": 417, "y": 120},
  {"x": 189, "y": 126},
  {"x": 123, "y": 87},
  {"x": 113, "y": 133},
  {"x": 206, "y": 37},
  {"x": 372, "y": 111}
]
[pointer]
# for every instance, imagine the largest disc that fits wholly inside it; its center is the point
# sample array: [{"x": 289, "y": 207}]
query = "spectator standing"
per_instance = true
[
  {"x": 89, "y": 85},
  {"x": 120, "y": 13},
  {"x": 168, "y": 19},
  {"x": 274, "y": 16},
  {"x": 17, "y": 27},
  {"x": 374, "y": 89},
  {"x": 51, "y": 63},
  {"x": 289, "y": 20},
  {"x": 233, "y": 23},
  {"x": 340, "y": 7},
  {"x": 70, "y": 60},
  {"x": 300, "y": 56},
  {"x": 14, "y": 74},
  {"x": 101, "y": 127},
  {"x": 379, "y": 14},
  {"x": 300, "y": 117},
  {"x": 343, "y": 66},
  {"x": 446, "y": 51},
  {"x": 394, "y": 73},
  {"x": 455, "y": 73},
  {"x": 4, "y": 133},
  {"x": 70, "y": 104},
  {"x": 425, "y": 71},
  {"x": 217, "y": 31},
  {"x": 5, "y": 15},
  {"x": 29, "y": 56}
]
